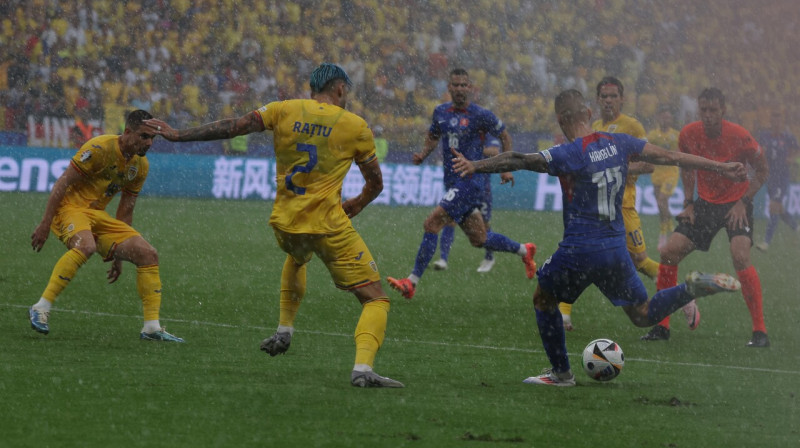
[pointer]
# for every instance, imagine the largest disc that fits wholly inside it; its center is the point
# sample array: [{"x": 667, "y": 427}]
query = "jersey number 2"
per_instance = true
[
  {"x": 312, "y": 162},
  {"x": 607, "y": 197}
]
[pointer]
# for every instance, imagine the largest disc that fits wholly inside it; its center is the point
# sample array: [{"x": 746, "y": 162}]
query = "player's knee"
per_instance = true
[
  {"x": 86, "y": 247},
  {"x": 544, "y": 302},
  {"x": 477, "y": 241},
  {"x": 145, "y": 254}
]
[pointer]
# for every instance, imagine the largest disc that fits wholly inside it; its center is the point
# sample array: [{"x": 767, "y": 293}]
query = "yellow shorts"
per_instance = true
[
  {"x": 633, "y": 230},
  {"x": 344, "y": 253},
  {"x": 664, "y": 181},
  {"x": 108, "y": 232}
]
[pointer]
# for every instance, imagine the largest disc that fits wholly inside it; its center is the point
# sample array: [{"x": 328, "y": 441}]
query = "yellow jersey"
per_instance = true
[
  {"x": 624, "y": 124},
  {"x": 668, "y": 140},
  {"x": 315, "y": 146},
  {"x": 105, "y": 173}
]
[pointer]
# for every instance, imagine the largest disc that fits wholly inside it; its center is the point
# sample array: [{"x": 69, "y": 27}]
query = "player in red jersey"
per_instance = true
[{"x": 720, "y": 203}]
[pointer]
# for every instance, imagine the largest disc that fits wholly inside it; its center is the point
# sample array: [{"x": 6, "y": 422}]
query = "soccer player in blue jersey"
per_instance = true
[
  {"x": 462, "y": 125},
  {"x": 780, "y": 147},
  {"x": 592, "y": 168},
  {"x": 490, "y": 148}
]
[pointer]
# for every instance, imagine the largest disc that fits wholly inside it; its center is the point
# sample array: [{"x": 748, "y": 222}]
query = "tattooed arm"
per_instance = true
[{"x": 217, "y": 130}]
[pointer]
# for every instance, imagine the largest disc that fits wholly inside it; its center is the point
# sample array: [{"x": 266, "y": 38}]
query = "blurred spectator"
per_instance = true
[
  {"x": 381, "y": 144},
  {"x": 397, "y": 53}
]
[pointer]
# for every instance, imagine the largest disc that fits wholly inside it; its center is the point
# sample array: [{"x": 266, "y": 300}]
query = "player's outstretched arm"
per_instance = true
[
  {"x": 507, "y": 161},
  {"x": 372, "y": 188},
  {"x": 216, "y": 130},
  {"x": 660, "y": 156}
]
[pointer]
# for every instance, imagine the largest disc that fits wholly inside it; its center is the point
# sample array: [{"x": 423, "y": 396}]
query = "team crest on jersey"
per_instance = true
[
  {"x": 612, "y": 128},
  {"x": 86, "y": 155},
  {"x": 132, "y": 171},
  {"x": 464, "y": 122}
]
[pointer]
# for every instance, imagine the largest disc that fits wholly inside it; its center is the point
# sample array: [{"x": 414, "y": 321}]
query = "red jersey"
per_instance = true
[{"x": 734, "y": 144}]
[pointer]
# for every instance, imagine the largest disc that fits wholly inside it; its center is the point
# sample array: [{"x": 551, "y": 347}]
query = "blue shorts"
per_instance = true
[
  {"x": 567, "y": 273},
  {"x": 463, "y": 198}
]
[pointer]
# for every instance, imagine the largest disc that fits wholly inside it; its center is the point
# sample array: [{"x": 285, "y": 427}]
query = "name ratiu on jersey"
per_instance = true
[
  {"x": 603, "y": 153},
  {"x": 311, "y": 129}
]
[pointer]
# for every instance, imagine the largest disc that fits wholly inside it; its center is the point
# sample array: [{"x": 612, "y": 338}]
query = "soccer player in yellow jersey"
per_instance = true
[
  {"x": 610, "y": 98},
  {"x": 75, "y": 213},
  {"x": 316, "y": 142},
  {"x": 664, "y": 178}
]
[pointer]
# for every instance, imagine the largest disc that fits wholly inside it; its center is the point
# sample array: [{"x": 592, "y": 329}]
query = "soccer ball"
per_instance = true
[{"x": 603, "y": 359}]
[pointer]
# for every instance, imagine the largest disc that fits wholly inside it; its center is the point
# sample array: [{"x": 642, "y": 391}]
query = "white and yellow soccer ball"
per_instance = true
[{"x": 603, "y": 359}]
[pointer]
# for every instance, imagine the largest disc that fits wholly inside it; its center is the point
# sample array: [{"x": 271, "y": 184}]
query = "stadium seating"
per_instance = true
[{"x": 190, "y": 61}]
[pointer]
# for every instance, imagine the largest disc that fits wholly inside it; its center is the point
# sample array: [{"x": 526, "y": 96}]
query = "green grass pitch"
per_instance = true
[{"x": 462, "y": 346}]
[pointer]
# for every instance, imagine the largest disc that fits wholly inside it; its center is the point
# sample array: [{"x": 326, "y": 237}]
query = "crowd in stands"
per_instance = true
[{"x": 191, "y": 61}]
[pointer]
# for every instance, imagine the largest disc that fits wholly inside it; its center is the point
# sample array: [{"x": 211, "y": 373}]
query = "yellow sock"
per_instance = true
[
  {"x": 648, "y": 267},
  {"x": 371, "y": 330},
  {"x": 565, "y": 308},
  {"x": 667, "y": 227},
  {"x": 148, "y": 283},
  {"x": 63, "y": 272},
  {"x": 293, "y": 288}
]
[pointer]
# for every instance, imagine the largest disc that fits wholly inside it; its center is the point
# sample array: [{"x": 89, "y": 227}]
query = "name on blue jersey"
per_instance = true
[
  {"x": 311, "y": 129},
  {"x": 603, "y": 153}
]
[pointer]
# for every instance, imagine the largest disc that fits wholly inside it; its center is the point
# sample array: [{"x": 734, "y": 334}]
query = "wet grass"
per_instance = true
[{"x": 462, "y": 347}]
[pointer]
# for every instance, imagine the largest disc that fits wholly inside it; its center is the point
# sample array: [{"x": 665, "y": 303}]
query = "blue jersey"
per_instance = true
[
  {"x": 463, "y": 130},
  {"x": 778, "y": 148},
  {"x": 593, "y": 171}
]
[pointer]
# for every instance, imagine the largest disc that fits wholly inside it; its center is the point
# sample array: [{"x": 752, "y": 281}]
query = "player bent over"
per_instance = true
[{"x": 75, "y": 213}]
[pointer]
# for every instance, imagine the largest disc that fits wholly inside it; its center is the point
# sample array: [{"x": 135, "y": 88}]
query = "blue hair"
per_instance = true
[{"x": 326, "y": 73}]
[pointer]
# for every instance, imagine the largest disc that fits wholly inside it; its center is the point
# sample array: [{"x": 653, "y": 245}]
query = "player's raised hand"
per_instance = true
[
  {"x": 734, "y": 171},
  {"x": 161, "y": 128},
  {"x": 461, "y": 165}
]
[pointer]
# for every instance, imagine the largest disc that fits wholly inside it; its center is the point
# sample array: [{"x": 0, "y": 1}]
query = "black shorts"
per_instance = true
[{"x": 708, "y": 220}]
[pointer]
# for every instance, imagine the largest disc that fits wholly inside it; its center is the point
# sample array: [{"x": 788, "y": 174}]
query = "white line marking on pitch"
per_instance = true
[{"x": 406, "y": 340}]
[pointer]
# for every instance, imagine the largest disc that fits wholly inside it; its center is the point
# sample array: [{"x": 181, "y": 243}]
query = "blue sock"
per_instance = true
[
  {"x": 448, "y": 235},
  {"x": 489, "y": 254},
  {"x": 666, "y": 302},
  {"x": 551, "y": 330},
  {"x": 500, "y": 243},
  {"x": 772, "y": 224},
  {"x": 426, "y": 250}
]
